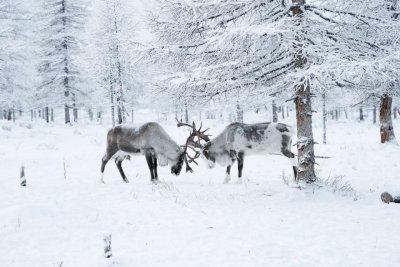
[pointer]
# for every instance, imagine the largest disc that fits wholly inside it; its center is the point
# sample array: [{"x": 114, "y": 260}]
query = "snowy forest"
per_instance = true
[{"x": 262, "y": 86}]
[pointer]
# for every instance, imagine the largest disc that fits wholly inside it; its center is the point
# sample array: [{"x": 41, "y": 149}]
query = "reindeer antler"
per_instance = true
[
  {"x": 200, "y": 134},
  {"x": 191, "y": 143}
]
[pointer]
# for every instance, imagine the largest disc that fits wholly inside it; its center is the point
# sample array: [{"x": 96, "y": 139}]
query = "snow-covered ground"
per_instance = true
[{"x": 62, "y": 216}]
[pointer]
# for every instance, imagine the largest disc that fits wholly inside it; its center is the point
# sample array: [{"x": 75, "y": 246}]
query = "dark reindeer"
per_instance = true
[
  {"x": 240, "y": 139},
  {"x": 151, "y": 140}
]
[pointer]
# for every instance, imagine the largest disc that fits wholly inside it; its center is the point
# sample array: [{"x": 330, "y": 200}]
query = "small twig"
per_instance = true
[
  {"x": 65, "y": 169},
  {"x": 22, "y": 176},
  {"x": 107, "y": 246}
]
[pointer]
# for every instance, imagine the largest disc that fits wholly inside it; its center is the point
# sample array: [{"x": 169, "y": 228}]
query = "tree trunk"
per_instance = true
[
  {"x": 67, "y": 116},
  {"x": 119, "y": 112},
  {"x": 13, "y": 114},
  {"x": 75, "y": 112},
  {"x": 90, "y": 112},
  {"x": 374, "y": 115},
  {"x": 112, "y": 96},
  {"x": 361, "y": 114},
  {"x": 395, "y": 113},
  {"x": 324, "y": 117},
  {"x": 99, "y": 116},
  {"x": 346, "y": 114},
  {"x": 287, "y": 112},
  {"x": 186, "y": 114},
  {"x": 120, "y": 91},
  {"x": 239, "y": 113},
  {"x": 46, "y": 114},
  {"x": 274, "y": 112},
  {"x": 52, "y": 115},
  {"x": 74, "y": 108},
  {"x": 305, "y": 143},
  {"x": 283, "y": 112},
  {"x": 31, "y": 115},
  {"x": 385, "y": 119},
  {"x": 305, "y": 139},
  {"x": 336, "y": 114}
]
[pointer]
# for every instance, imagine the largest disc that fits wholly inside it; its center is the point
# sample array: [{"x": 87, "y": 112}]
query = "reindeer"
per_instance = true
[
  {"x": 151, "y": 140},
  {"x": 239, "y": 139}
]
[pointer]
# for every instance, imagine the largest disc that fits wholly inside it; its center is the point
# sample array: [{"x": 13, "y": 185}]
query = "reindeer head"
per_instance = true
[
  {"x": 208, "y": 155},
  {"x": 177, "y": 167},
  {"x": 194, "y": 145}
]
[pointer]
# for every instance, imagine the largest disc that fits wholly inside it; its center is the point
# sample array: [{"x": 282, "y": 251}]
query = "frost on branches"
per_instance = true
[{"x": 273, "y": 47}]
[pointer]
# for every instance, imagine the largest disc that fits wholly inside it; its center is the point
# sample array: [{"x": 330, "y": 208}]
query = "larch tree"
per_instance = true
[
  {"x": 14, "y": 69},
  {"x": 61, "y": 25},
  {"x": 114, "y": 57},
  {"x": 270, "y": 47}
]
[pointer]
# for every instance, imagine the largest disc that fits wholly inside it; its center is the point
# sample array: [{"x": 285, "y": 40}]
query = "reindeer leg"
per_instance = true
[
  {"x": 118, "y": 162},
  {"x": 155, "y": 167},
  {"x": 149, "y": 159},
  {"x": 286, "y": 144},
  {"x": 111, "y": 150},
  {"x": 228, "y": 174},
  {"x": 240, "y": 166}
]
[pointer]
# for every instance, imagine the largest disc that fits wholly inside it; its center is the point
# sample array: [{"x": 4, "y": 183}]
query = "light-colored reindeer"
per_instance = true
[
  {"x": 151, "y": 140},
  {"x": 240, "y": 139}
]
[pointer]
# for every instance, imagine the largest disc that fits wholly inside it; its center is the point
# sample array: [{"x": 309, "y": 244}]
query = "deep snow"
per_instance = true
[{"x": 194, "y": 219}]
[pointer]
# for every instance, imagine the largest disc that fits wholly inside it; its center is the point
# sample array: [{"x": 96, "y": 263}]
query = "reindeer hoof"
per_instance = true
[{"x": 386, "y": 197}]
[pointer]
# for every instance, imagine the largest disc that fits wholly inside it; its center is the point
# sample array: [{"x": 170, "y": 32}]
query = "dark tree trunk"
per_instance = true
[
  {"x": 346, "y": 114},
  {"x": 186, "y": 114},
  {"x": 40, "y": 113},
  {"x": 13, "y": 114},
  {"x": 274, "y": 111},
  {"x": 46, "y": 114},
  {"x": 31, "y": 115},
  {"x": 283, "y": 112},
  {"x": 336, "y": 114},
  {"x": 385, "y": 119},
  {"x": 305, "y": 139},
  {"x": 119, "y": 112},
  {"x": 305, "y": 143},
  {"x": 374, "y": 115},
  {"x": 52, "y": 115},
  {"x": 67, "y": 117},
  {"x": 361, "y": 114},
  {"x": 99, "y": 116}
]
